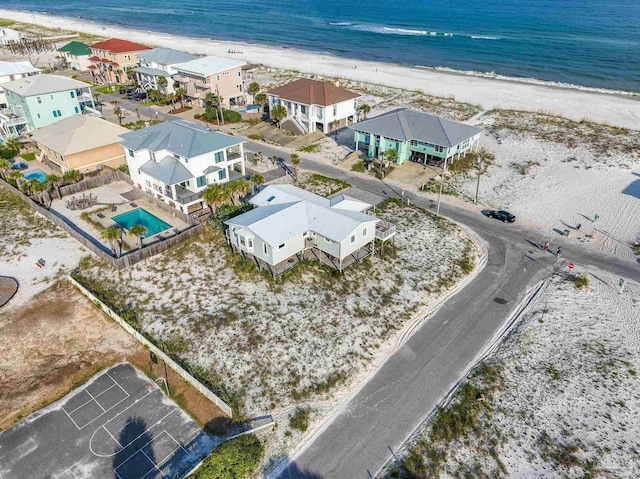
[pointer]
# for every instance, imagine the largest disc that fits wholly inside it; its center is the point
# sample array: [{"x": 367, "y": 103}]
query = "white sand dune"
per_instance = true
[{"x": 572, "y": 102}]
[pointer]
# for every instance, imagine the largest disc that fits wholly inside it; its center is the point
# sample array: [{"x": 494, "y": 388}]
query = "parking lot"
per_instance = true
[{"x": 119, "y": 425}]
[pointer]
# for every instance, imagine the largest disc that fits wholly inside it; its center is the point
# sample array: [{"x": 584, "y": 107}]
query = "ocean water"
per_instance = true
[{"x": 593, "y": 43}]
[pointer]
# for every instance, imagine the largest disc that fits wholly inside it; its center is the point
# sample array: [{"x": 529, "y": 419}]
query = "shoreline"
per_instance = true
[{"x": 490, "y": 91}]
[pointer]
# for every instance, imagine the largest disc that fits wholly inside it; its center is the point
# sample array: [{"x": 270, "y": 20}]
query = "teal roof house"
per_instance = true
[
  {"x": 176, "y": 161},
  {"x": 37, "y": 101},
  {"x": 76, "y": 55},
  {"x": 416, "y": 136}
]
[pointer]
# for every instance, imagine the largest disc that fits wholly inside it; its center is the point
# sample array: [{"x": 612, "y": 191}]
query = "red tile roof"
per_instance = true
[
  {"x": 94, "y": 59},
  {"x": 115, "y": 64},
  {"x": 115, "y": 45},
  {"x": 105, "y": 60},
  {"x": 313, "y": 92},
  {"x": 92, "y": 67}
]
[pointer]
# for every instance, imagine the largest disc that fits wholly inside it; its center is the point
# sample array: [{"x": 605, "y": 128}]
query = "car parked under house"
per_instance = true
[{"x": 289, "y": 224}]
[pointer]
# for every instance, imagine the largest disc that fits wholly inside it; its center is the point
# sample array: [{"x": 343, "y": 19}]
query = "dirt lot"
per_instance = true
[{"x": 60, "y": 340}]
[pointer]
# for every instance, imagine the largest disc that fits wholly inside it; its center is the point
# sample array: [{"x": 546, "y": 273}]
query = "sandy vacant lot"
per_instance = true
[
  {"x": 559, "y": 399},
  {"x": 47, "y": 347}
]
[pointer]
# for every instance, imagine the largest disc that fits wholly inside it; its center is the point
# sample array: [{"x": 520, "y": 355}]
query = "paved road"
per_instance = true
[{"x": 394, "y": 402}]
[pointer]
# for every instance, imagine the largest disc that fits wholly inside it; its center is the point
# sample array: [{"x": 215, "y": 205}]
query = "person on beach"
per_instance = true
[
  {"x": 558, "y": 252},
  {"x": 545, "y": 247},
  {"x": 578, "y": 226},
  {"x": 596, "y": 217}
]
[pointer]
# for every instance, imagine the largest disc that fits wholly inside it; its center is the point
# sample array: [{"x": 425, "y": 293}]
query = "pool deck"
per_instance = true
[{"x": 111, "y": 194}]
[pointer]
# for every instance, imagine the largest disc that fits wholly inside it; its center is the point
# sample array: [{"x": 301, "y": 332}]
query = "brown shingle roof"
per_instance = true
[
  {"x": 115, "y": 45},
  {"x": 312, "y": 92}
]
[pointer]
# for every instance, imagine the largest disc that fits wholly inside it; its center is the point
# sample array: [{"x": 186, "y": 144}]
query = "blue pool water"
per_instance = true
[
  {"x": 36, "y": 175},
  {"x": 140, "y": 216},
  {"x": 249, "y": 108}
]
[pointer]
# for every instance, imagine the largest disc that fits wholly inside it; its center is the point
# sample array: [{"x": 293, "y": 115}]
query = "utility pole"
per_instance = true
[
  {"x": 479, "y": 163},
  {"x": 219, "y": 105},
  {"x": 444, "y": 170}
]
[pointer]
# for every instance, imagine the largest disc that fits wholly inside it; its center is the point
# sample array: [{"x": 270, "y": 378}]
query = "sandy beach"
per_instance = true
[{"x": 572, "y": 102}]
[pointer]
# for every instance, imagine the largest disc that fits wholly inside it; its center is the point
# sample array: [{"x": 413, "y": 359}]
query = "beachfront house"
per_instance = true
[
  {"x": 217, "y": 75},
  {"x": 159, "y": 63},
  {"x": 10, "y": 71},
  {"x": 113, "y": 60},
  {"x": 80, "y": 142},
  {"x": 8, "y": 35},
  {"x": 175, "y": 161},
  {"x": 416, "y": 136},
  {"x": 314, "y": 105},
  {"x": 76, "y": 55},
  {"x": 39, "y": 100},
  {"x": 289, "y": 224}
]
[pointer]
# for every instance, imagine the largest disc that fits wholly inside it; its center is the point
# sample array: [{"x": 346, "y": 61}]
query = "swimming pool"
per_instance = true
[
  {"x": 140, "y": 216},
  {"x": 35, "y": 175},
  {"x": 249, "y": 109}
]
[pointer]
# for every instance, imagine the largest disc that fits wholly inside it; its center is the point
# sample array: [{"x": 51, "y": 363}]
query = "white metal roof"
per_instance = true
[
  {"x": 42, "y": 84},
  {"x": 207, "y": 66},
  {"x": 15, "y": 68}
]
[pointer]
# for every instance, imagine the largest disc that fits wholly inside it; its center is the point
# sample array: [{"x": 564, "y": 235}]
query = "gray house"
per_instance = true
[
  {"x": 157, "y": 63},
  {"x": 416, "y": 136}
]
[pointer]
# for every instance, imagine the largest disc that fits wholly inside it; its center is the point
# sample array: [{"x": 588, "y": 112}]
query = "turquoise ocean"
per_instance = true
[{"x": 594, "y": 43}]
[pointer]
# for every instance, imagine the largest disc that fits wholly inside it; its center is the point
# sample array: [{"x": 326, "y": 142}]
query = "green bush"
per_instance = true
[
  {"x": 256, "y": 137},
  {"x": 312, "y": 148},
  {"x": 225, "y": 212},
  {"x": 300, "y": 419},
  {"x": 580, "y": 281},
  {"x": 234, "y": 459},
  {"x": 7, "y": 153},
  {"x": 359, "y": 167},
  {"x": 231, "y": 116},
  {"x": 124, "y": 168}
]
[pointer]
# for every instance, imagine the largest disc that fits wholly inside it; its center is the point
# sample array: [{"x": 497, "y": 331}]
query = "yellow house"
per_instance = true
[
  {"x": 112, "y": 59},
  {"x": 81, "y": 143}
]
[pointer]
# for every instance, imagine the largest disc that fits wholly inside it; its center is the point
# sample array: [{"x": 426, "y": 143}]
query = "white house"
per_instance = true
[
  {"x": 10, "y": 71},
  {"x": 76, "y": 55},
  {"x": 157, "y": 63},
  {"x": 8, "y": 35},
  {"x": 315, "y": 105},
  {"x": 176, "y": 161},
  {"x": 289, "y": 222}
]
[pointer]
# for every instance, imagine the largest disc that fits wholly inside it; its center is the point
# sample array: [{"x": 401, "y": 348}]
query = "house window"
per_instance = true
[
  {"x": 219, "y": 156},
  {"x": 131, "y": 154},
  {"x": 364, "y": 231},
  {"x": 222, "y": 174},
  {"x": 242, "y": 242},
  {"x": 38, "y": 115},
  {"x": 73, "y": 94},
  {"x": 264, "y": 248},
  {"x": 239, "y": 74},
  {"x": 439, "y": 149},
  {"x": 218, "y": 77},
  {"x": 51, "y": 96},
  {"x": 39, "y": 99},
  {"x": 147, "y": 182},
  {"x": 353, "y": 239},
  {"x": 177, "y": 157},
  {"x": 281, "y": 246},
  {"x": 249, "y": 243},
  {"x": 55, "y": 114},
  {"x": 303, "y": 109},
  {"x": 327, "y": 240},
  {"x": 59, "y": 114},
  {"x": 413, "y": 142},
  {"x": 201, "y": 181},
  {"x": 335, "y": 110},
  {"x": 76, "y": 109},
  {"x": 270, "y": 199}
]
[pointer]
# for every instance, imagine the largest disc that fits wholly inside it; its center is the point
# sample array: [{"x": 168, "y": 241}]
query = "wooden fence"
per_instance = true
[
  {"x": 106, "y": 176},
  {"x": 96, "y": 247},
  {"x": 157, "y": 351}
]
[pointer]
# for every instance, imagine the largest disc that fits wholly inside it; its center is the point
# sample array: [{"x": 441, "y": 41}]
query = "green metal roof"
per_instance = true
[{"x": 76, "y": 48}]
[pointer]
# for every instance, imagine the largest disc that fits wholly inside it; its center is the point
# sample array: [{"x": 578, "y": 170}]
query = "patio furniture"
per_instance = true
[
  {"x": 100, "y": 215},
  {"x": 114, "y": 208},
  {"x": 133, "y": 205},
  {"x": 176, "y": 231}
]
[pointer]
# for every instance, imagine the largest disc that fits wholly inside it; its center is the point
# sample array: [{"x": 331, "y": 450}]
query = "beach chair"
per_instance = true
[
  {"x": 114, "y": 208},
  {"x": 100, "y": 215},
  {"x": 133, "y": 205}
]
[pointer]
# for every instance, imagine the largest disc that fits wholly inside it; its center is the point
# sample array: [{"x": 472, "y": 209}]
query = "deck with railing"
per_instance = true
[{"x": 385, "y": 230}]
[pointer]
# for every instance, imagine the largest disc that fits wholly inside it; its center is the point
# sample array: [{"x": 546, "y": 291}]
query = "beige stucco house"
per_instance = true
[
  {"x": 112, "y": 59},
  {"x": 81, "y": 143},
  {"x": 215, "y": 75}
]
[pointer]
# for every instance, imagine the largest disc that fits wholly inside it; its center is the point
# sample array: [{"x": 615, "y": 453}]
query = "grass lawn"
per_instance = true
[
  {"x": 28, "y": 156},
  {"x": 115, "y": 88}
]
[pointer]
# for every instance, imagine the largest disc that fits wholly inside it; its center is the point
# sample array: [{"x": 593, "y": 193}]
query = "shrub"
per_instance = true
[
  {"x": 312, "y": 148},
  {"x": 359, "y": 167},
  {"x": 300, "y": 419},
  {"x": 234, "y": 459},
  {"x": 580, "y": 281},
  {"x": 7, "y": 153},
  {"x": 256, "y": 137},
  {"x": 124, "y": 168},
  {"x": 225, "y": 212}
]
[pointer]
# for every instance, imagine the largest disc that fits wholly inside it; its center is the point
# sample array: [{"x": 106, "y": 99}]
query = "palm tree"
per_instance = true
[
  {"x": 28, "y": 187},
  {"x": 389, "y": 155},
  {"x": 5, "y": 168},
  {"x": 295, "y": 161},
  {"x": 54, "y": 180},
  {"x": 365, "y": 109},
  {"x": 181, "y": 93},
  {"x": 335, "y": 124},
  {"x": 112, "y": 235},
  {"x": 254, "y": 87},
  {"x": 214, "y": 196},
  {"x": 16, "y": 177},
  {"x": 39, "y": 190},
  {"x": 13, "y": 144},
  {"x": 138, "y": 231},
  {"x": 162, "y": 83},
  {"x": 119, "y": 112},
  {"x": 233, "y": 190},
  {"x": 261, "y": 99},
  {"x": 71, "y": 176},
  {"x": 279, "y": 112},
  {"x": 257, "y": 180}
]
